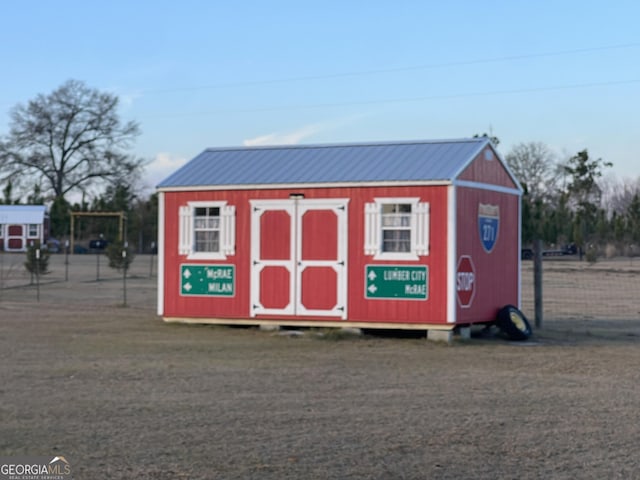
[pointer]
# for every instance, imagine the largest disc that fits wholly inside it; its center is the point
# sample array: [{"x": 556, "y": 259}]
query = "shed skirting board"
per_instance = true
[{"x": 309, "y": 323}]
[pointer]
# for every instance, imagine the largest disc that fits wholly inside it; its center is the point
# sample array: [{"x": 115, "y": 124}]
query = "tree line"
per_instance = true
[
  {"x": 574, "y": 202},
  {"x": 72, "y": 142}
]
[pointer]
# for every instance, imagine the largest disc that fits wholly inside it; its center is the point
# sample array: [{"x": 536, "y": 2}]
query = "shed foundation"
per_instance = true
[{"x": 440, "y": 335}]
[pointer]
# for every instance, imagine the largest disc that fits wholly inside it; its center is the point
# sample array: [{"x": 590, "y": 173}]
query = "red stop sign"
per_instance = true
[{"x": 465, "y": 281}]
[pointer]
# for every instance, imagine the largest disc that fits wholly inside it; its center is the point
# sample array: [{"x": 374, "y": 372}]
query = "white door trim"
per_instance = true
[
  {"x": 258, "y": 207},
  {"x": 296, "y": 208}
]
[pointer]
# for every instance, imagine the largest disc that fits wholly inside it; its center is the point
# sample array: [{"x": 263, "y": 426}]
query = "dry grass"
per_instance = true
[
  {"x": 122, "y": 395},
  {"x": 606, "y": 290}
]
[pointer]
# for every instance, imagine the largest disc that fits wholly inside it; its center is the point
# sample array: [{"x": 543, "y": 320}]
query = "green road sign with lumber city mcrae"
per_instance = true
[
  {"x": 397, "y": 282},
  {"x": 213, "y": 280}
]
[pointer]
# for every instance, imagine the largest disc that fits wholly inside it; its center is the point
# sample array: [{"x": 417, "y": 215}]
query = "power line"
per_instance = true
[
  {"x": 396, "y": 70},
  {"x": 393, "y": 70},
  {"x": 400, "y": 100}
]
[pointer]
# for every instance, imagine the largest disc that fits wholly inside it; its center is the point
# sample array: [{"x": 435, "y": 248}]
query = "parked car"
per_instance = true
[
  {"x": 53, "y": 245},
  {"x": 569, "y": 249},
  {"x": 99, "y": 244},
  {"x": 79, "y": 249}
]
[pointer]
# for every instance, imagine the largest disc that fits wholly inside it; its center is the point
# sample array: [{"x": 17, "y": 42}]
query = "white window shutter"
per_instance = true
[
  {"x": 422, "y": 229},
  {"x": 228, "y": 230},
  {"x": 371, "y": 229},
  {"x": 185, "y": 227}
]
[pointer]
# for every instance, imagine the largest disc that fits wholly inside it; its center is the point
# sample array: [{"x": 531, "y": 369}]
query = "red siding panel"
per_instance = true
[
  {"x": 176, "y": 305},
  {"x": 275, "y": 282},
  {"x": 432, "y": 310},
  {"x": 497, "y": 271},
  {"x": 486, "y": 168},
  {"x": 15, "y": 230},
  {"x": 319, "y": 231},
  {"x": 276, "y": 227},
  {"x": 319, "y": 288},
  {"x": 15, "y": 243}
]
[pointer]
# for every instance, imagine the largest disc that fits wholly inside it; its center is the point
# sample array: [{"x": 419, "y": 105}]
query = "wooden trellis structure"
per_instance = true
[{"x": 120, "y": 215}]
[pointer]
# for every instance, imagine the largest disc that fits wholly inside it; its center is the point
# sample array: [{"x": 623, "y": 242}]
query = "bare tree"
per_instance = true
[
  {"x": 535, "y": 166},
  {"x": 69, "y": 140},
  {"x": 617, "y": 194}
]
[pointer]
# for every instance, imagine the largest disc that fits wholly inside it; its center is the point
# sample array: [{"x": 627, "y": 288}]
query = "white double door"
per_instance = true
[{"x": 299, "y": 257}]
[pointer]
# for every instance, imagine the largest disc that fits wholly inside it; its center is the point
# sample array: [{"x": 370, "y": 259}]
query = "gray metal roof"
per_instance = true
[
  {"x": 327, "y": 164},
  {"x": 22, "y": 214}
]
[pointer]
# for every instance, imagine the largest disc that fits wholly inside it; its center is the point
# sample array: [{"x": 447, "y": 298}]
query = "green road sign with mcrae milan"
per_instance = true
[{"x": 213, "y": 280}]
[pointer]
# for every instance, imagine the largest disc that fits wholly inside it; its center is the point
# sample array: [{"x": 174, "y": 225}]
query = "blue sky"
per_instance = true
[{"x": 200, "y": 74}]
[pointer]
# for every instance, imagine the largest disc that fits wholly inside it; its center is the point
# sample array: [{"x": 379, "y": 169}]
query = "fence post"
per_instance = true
[
  {"x": 124, "y": 274},
  {"x": 98, "y": 245},
  {"x": 38, "y": 273},
  {"x": 66, "y": 260},
  {"x": 537, "y": 282},
  {"x": 153, "y": 246}
]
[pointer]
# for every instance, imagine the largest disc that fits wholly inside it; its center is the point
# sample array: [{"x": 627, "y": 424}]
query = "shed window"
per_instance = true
[
  {"x": 397, "y": 228},
  {"x": 207, "y": 230},
  {"x": 33, "y": 230}
]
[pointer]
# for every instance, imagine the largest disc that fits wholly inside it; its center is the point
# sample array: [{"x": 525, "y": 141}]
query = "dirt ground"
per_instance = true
[{"x": 122, "y": 395}]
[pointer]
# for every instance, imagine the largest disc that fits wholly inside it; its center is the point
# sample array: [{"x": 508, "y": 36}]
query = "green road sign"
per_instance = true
[
  {"x": 214, "y": 280},
  {"x": 397, "y": 282}
]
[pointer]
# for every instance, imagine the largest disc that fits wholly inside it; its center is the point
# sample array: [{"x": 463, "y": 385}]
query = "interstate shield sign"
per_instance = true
[{"x": 488, "y": 225}]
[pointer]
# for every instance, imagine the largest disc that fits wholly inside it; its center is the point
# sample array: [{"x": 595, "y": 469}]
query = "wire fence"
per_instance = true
[
  {"x": 79, "y": 279},
  {"x": 573, "y": 289}
]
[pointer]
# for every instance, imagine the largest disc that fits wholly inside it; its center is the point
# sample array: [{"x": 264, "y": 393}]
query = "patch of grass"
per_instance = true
[{"x": 336, "y": 334}]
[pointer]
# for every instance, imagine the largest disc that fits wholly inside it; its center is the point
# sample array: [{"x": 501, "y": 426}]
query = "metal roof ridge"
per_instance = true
[
  {"x": 23, "y": 206},
  {"x": 346, "y": 144}
]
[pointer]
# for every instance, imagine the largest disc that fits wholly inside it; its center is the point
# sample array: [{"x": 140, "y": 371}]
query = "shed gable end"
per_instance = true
[{"x": 488, "y": 168}]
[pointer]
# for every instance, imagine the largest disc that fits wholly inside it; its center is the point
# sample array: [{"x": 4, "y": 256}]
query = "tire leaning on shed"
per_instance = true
[{"x": 513, "y": 323}]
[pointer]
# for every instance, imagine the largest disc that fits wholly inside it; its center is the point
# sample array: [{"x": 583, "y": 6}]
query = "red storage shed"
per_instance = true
[
  {"x": 405, "y": 235},
  {"x": 21, "y": 225}
]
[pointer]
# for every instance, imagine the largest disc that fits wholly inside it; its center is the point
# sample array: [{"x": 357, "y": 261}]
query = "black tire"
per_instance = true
[{"x": 513, "y": 323}]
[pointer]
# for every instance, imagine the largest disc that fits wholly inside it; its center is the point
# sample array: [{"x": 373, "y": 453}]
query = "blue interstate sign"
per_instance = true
[{"x": 488, "y": 225}]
